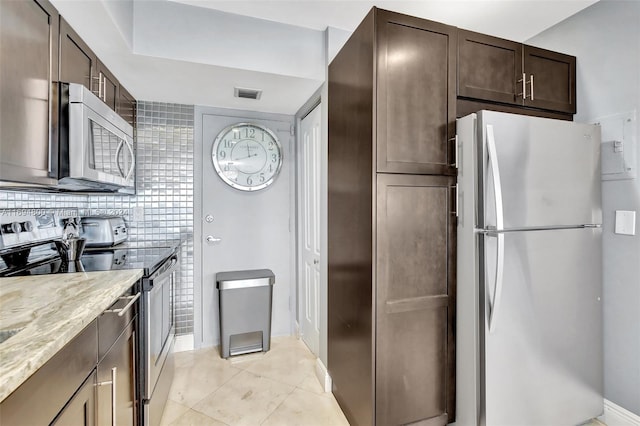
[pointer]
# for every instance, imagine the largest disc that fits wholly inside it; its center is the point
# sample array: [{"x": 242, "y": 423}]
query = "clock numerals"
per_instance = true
[{"x": 246, "y": 156}]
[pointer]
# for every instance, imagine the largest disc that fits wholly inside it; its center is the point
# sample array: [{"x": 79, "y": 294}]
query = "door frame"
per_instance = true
[{"x": 198, "y": 217}]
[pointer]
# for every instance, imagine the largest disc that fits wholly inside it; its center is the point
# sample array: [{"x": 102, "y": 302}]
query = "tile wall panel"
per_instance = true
[{"x": 162, "y": 209}]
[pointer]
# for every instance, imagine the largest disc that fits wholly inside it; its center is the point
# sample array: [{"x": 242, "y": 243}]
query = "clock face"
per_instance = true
[{"x": 247, "y": 156}]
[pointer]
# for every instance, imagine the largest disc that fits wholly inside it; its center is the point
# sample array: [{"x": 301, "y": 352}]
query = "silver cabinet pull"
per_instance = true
[
  {"x": 523, "y": 80},
  {"x": 531, "y": 81},
  {"x": 104, "y": 87},
  {"x": 208, "y": 218},
  {"x": 211, "y": 239},
  {"x": 112, "y": 383},
  {"x": 122, "y": 311},
  {"x": 316, "y": 261}
]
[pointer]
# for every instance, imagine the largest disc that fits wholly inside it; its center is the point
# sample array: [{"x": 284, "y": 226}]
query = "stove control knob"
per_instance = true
[
  {"x": 27, "y": 226},
  {"x": 11, "y": 228}
]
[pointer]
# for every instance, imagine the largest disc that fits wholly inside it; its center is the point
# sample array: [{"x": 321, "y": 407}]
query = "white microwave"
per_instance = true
[{"x": 95, "y": 149}]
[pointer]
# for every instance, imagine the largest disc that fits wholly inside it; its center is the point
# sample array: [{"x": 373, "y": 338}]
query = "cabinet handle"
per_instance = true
[
  {"x": 531, "y": 81},
  {"x": 455, "y": 155},
  {"x": 112, "y": 383},
  {"x": 523, "y": 80},
  {"x": 100, "y": 85},
  {"x": 122, "y": 311}
]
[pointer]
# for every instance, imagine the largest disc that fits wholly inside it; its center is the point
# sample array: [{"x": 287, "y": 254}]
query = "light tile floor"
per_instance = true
[{"x": 278, "y": 387}]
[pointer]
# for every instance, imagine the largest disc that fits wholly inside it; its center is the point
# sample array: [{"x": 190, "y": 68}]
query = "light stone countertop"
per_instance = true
[{"x": 50, "y": 310}]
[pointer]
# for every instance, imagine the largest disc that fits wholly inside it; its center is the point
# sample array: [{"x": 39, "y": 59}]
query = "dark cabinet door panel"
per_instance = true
[
  {"x": 553, "y": 75},
  {"x": 415, "y": 299},
  {"x": 109, "y": 86},
  {"x": 77, "y": 61},
  {"x": 81, "y": 410},
  {"x": 489, "y": 68},
  {"x": 416, "y": 94},
  {"x": 28, "y": 71},
  {"x": 126, "y": 106}
]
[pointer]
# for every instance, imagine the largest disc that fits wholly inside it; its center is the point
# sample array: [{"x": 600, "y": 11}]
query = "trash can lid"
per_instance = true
[{"x": 245, "y": 279}]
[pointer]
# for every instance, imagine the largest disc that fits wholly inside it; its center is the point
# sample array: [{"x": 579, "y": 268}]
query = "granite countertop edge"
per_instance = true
[{"x": 49, "y": 311}]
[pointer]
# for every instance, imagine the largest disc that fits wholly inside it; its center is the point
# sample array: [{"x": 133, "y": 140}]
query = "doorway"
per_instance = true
[
  {"x": 309, "y": 229},
  {"x": 241, "y": 230}
]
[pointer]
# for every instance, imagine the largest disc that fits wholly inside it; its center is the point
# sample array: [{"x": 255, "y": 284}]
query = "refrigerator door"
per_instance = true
[
  {"x": 549, "y": 172},
  {"x": 541, "y": 361}
]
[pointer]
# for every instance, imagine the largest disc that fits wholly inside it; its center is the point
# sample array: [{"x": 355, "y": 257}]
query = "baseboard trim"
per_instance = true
[
  {"x": 184, "y": 342},
  {"x": 323, "y": 375},
  {"x": 615, "y": 415}
]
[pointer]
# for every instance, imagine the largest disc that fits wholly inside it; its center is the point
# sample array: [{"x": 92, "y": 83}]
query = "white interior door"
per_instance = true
[{"x": 309, "y": 236}]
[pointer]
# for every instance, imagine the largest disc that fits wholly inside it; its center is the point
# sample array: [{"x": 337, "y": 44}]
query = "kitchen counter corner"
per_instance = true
[{"x": 49, "y": 311}]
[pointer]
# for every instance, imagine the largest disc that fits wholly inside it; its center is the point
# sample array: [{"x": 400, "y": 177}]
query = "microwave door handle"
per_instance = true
[
  {"x": 133, "y": 160},
  {"x": 122, "y": 141}
]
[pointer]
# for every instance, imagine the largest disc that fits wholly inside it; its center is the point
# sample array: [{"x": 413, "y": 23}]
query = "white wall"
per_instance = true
[{"x": 605, "y": 38}]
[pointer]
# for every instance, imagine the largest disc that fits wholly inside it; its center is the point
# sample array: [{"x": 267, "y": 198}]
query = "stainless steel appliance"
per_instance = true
[
  {"x": 95, "y": 144},
  {"x": 103, "y": 231},
  {"x": 158, "y": 336},
  {"x": 529, "y": 325}
]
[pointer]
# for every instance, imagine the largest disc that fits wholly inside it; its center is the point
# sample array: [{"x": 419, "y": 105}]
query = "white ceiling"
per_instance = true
[
  {"x": 196, "y": 51},
  {"x": 516, "y": 20}
]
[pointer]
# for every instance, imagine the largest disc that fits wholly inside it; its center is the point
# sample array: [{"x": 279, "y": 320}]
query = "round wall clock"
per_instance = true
[{"x": 247, "y": 156}]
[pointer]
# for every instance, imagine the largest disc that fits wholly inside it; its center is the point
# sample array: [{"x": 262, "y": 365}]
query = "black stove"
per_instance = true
[{"x": 43, "y": 260}]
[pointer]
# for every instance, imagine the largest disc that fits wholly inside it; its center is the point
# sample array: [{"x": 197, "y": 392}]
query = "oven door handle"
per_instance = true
[
  {"x": 168, "y": 266},
  {"x": 123, "y": 310}
]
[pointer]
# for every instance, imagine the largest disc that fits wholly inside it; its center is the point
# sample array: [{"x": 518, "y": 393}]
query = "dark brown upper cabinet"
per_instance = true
[
  {"x": 108, "y": 85},
  {"x": 78, "y": 63},
  {"x": 497, "y": 70},
  {"x": 551, "y": 78},
  {"x": 126, "y": 106},
  {"x": 416, "y": 97},
  {"x": 487, "y": 66},
  {"x": 28, "y": 75}
]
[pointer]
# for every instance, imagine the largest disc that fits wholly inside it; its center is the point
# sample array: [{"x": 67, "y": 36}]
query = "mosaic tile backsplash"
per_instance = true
[{"x": 162, "y": 209}]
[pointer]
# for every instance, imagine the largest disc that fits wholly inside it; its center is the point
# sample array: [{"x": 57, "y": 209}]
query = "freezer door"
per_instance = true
[
  {"x": 542, "y": 359},
  {"x": 549, "y": 172}
]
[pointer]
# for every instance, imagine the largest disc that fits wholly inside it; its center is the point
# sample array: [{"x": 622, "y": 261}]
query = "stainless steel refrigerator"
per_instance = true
[{"x": 529, "y": 310}]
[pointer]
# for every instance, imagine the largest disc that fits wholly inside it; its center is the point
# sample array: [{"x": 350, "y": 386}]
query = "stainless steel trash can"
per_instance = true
[{"x": 245, "y": 311}]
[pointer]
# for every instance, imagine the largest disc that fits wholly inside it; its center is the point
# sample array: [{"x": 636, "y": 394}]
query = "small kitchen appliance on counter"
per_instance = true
[{"x": 103, "y": 231}]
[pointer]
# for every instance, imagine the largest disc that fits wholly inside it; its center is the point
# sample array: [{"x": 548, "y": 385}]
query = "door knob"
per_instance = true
[{"x": 212, "y": 240}]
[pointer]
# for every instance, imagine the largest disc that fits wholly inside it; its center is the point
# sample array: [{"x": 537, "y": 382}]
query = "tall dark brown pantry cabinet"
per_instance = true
[{"x": 391, "y": 230}]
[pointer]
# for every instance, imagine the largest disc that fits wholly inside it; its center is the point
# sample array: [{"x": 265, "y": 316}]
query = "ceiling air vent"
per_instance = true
[{"x": 242, "y": 92}]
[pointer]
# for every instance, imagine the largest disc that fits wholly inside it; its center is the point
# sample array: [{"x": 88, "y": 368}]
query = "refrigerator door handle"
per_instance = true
[
  {"x": 497, "y": 293},
  {"x": 497, "y": 186}
]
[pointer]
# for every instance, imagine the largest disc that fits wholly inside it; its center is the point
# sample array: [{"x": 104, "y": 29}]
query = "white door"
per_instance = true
[
  {"x": 249, "y": 230},
  {"x": 309, "y": 236}
]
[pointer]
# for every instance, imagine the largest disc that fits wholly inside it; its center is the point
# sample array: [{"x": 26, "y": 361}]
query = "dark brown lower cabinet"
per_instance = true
[
  {"x": 80, "y": 411},
  {"x": 415, "y": 299}
]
